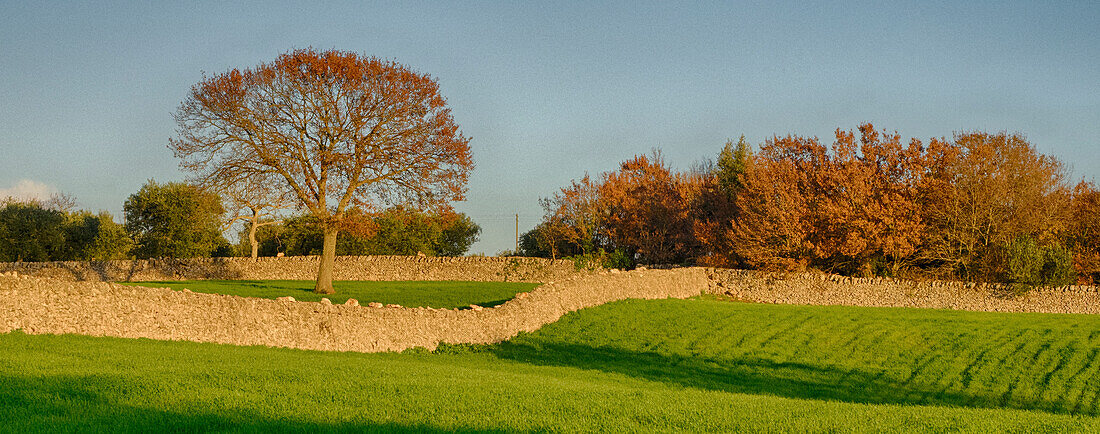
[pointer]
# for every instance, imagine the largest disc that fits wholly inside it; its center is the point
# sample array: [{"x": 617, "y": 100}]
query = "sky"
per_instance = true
[{"x": 549, "y": 91}]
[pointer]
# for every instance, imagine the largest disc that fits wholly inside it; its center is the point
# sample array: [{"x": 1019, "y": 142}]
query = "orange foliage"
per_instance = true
[
  {"x": 981, "y": 192},
  {"x": 649, "y": 210},
  {"x": 774, "y": 227},
  {"x": 867, "y": 201},
  {"x": 573, "y": 217},
  {"x": 331, "y": 129},
  {"x": 1084, "y": 233},
  {"x": 867, "y": 205}
]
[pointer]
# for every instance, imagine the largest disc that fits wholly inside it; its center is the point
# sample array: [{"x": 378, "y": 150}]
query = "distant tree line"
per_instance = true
[
  {"x": 395, "y": 231},
  {"x": 179, "y": 220},
  {"x": 979, "y": 206}
]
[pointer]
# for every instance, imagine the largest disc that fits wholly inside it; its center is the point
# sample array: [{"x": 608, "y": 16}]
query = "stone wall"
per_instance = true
[
  {"x": 44, "y": 305},
  {"x": 38, "y": 305},
  {"x": 828, "y": 289},
  {"x": 302, "y": 268}
]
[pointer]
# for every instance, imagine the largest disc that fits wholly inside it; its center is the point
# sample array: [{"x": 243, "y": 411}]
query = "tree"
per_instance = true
[
  {"x": 868, "y": 218},
  {"x": 395, "y": 231},
  {"x": 1084, "y": 232},
  {"x": 337, "y": 130},
  {"x": 459, "y": 232},
  {"x": 573, "y": 218},
  {"x": 174, "y": 220},
  {"x": 30, "y": 231},
  {"x": 649, "y": 210},
  {"x": 730, "y": 168},
  {"x": 774, "y": 229},
  {"x": 717, "y": 208},
  {"x": 256, "y": 203},
  {"x": 984, "y": 191},
  {"x": 95, "y": 237}
]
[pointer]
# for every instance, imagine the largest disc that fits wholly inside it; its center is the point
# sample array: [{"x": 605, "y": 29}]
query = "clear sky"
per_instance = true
[{"x": 551, "y": 90}]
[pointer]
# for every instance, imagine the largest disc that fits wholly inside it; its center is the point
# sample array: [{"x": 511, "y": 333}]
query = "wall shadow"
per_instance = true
[{"x": 764, "y": 377}]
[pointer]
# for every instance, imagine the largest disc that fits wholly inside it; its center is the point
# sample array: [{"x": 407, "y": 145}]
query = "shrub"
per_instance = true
[
  {"x": 1058, "y": 268},
  {"x": 1028, "y": 264},
  {"x": 602, "y": 259}
]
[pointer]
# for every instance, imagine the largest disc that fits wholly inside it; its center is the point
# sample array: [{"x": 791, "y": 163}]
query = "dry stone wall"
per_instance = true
[
  {"x": 302, "y": 267},
  {"x": 38, "y": 305},
  {"x": 828, "y": 289},
  {"x": 56, "y": 306}
]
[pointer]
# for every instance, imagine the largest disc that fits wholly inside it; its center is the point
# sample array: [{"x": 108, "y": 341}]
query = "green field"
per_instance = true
[
  {"x": 658, "y": 365},
  {"x": 437, "y": 294}
]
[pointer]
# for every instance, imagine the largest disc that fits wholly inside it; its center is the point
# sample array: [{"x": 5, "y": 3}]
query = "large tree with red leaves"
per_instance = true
[{"x": 333, "y": 129}]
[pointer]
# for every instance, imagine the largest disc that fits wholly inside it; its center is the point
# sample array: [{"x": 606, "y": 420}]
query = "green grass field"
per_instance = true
[
  {"x": 658, "y": 365},
  {"x": 437, "y": 294}
]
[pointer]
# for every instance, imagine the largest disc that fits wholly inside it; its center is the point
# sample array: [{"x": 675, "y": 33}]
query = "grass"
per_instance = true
[
  {"x": 658, "y": 365},
  {"x": 437, "y": 294}
]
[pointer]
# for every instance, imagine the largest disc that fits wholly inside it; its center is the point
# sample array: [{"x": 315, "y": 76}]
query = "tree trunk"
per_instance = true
[
  {"x": 252, "y": 239},
  {"x": 328, "y": 261}
]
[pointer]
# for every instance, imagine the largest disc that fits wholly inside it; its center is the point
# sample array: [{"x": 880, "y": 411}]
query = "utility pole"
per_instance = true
[{"x": 517, "y": 235}]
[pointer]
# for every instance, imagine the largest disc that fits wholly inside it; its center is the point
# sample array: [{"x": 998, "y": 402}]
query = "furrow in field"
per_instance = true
[{"x": 1089, "y": 361}]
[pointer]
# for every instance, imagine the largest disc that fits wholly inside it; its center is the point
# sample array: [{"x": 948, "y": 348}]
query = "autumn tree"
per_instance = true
[
  {"x": 336, "y": 129},
  {"x": 1083, "y": 234},
  {"x": 649, "y": 210},
  {"x": 984, "y": 191},
  {"x": 774, "y": 228},
  {"x": 573, "y": 217},
  {"x": 867, "y": 220}
]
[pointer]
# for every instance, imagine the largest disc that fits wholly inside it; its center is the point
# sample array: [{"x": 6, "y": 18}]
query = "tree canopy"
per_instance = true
[
  {"x": 174, "y": 220},
  {"x": 333, "y": 129}
]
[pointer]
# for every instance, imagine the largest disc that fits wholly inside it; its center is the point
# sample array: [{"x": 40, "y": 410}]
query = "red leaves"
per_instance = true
[
  {"x": 649, "y": 210},
  {"x": 333, "y": 128},
  {"x": 1084, "y": 233},
  {"x": 866, "y": 207}
]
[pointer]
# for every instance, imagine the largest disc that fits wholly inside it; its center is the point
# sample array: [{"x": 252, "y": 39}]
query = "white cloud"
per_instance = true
[{"x": 27, "y": 189}]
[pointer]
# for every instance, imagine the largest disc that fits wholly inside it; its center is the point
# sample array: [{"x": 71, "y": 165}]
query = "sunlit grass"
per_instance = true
[
  {"x": 664, "y": 365},
  {"x": 437, "y": 294}
]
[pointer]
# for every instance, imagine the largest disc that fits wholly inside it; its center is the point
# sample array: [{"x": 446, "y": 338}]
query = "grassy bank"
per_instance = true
[
  {"x": 437, "y": 294},
  {"x": 666, "y": 365}
]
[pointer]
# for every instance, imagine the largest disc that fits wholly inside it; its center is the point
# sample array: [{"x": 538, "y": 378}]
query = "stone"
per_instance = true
[
  {"x": 287, "y": 298},
  {"x": 351, "y": 302},
  {"x": 476, "y": 308},
  {"x": 326, "y": 301},
  {"x": 375, "y": 304},
  {"x": 394, "y": 306}
]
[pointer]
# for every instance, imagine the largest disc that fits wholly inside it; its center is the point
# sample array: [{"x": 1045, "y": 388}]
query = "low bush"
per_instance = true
[{"x": 1029, "y": 264}]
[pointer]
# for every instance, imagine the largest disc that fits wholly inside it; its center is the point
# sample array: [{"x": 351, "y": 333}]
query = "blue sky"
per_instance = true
[{"x": 551, "y": 90}]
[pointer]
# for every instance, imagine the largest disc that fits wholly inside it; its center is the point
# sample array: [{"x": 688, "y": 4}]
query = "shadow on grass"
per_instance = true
[
  {"x": 763, "y": 377},
  {"x": 493, "y": 303},
  {"x": 82, "y": 404}
]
